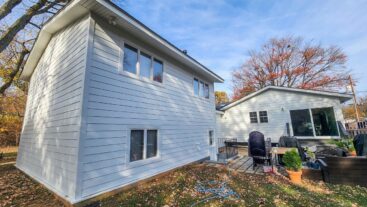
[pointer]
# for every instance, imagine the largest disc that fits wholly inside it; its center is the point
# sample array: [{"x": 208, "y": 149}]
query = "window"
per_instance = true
[
  {"x": 206, "y": 90},
  {"x": 136, "y": 145},
  {"x": 145, "y": 65},
  {"x": 130, "y": 59},
  {"x": 196, "y": 86},
  {"x": 143, "y": 144},
  {"x": 253, "y": 117},
  {"x": 158, "y": 71},
  {"x": 263, "y": 116},
  {"x": 152, "y": 136},
  {"x": 200, "y": 88},
  {"x": 301, "y": 122},
  {"x": 149, "y": 67},
  {"x": 324, "y": 122},
  {"x": 211, "y": 134}
]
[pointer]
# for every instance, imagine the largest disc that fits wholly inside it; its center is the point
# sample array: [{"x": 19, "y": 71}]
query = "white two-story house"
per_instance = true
[{"x": 111, "y": 103}]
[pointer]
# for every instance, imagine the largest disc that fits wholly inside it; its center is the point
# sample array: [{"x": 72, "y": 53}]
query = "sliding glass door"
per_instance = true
[
  {"x": 324, "y": 122},
  {"x": 314, "y": 122},
  {"x": 301, "y": 122}
]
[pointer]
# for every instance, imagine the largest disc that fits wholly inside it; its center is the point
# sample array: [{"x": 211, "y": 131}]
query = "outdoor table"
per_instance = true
[{"x": 275, "y": 151}]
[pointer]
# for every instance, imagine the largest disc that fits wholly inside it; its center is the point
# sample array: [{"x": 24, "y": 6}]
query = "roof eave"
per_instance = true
[
  {"x": 342, "y": 97},
  {"x": 74, "y": 11}
]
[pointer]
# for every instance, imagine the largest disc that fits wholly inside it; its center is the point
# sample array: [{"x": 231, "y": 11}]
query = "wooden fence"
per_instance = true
[{"x": 356, "y": 128}]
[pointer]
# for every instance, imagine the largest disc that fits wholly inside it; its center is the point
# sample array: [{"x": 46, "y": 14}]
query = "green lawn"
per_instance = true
[{"x": 177, "y": 188}]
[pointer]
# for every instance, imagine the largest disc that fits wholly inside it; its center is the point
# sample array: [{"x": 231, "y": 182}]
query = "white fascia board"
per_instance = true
[
  {"x": 74, "y": 11},
  {"x": 342, "y": 97}
]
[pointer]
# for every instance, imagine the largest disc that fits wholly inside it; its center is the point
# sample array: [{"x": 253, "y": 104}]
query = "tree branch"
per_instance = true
[
  {"x": 19, "y": 24},
  {"x": 7, "y": 7},
  {"x": 15, "y": 71}
]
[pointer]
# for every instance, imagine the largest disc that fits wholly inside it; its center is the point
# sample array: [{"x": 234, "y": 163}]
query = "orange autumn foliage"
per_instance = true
[{"x": 291, "y": 62}]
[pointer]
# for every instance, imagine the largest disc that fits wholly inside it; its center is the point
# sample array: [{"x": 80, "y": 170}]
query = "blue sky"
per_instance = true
[{"x": 220, "y": 33}]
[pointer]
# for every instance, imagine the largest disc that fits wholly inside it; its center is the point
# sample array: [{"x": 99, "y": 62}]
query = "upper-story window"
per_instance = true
[
  {"x": 158, "y": 70},
  {"x": 196, "y": 86},
  {"x": 200, "y": 88},
  {"x": 149, "y": 67},
  {"x": 130, "y": 59},
  {"x": 206, "y": 91},
  {"x": 145, "y": 65}
]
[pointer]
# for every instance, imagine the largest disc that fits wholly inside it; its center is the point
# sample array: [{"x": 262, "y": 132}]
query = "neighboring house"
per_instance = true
[
  {"x": 279, "y": 111},
  {"x": 111, "y": 103}
]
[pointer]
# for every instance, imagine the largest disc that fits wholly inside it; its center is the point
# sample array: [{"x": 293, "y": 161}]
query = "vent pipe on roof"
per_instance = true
[{"x": 185, "y": 52}]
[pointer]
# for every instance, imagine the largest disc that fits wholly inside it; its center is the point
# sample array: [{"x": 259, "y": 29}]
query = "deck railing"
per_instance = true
[
  {"x": 356, "y": 128},
  {"x": 226, "y": 148}
]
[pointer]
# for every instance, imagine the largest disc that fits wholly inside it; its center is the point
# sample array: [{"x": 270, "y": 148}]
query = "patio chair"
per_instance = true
[
  {"x": 286, "y": 141},
  {"x": 257, "y": 150},
  {"x": 360, "y": 144}
]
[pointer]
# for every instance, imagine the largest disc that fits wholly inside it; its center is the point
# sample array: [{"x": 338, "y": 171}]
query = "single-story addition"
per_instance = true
[
  {"x": 111, "y": 103},
  {"x": 279, "y": 111}
]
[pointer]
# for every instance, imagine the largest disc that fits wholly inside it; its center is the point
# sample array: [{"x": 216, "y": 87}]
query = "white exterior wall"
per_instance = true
[
  {"x": 117, "y": 103},
  {"x": 235, "y": 123},
  {"x": 49, "y": 141}
]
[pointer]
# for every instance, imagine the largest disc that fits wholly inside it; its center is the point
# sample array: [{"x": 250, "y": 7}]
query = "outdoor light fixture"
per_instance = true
[{"x": 112, "y": 20}]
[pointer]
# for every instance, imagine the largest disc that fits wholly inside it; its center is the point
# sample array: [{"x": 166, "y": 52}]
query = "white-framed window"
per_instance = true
[
  {"x": 206, "y": 91},
  {"x": 253, "y": 117},
  {"x": 211, "y": 137},
  {"x": 143, "y": 144},
  {"x": 130, "y": 60},
  {"x": 263, "y": 115},
  {"x": 314, "y": 122},
  {"x": 141, "y": 64},
  {"x": 196, "y": 87},
  {"x": 158, "y": 70},
  {"x": 201, "y": 88},
  {"x": 145, "y": 65}
]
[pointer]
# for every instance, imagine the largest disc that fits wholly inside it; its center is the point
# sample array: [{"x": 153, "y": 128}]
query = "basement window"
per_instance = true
[{"x": 143, "y": 144}]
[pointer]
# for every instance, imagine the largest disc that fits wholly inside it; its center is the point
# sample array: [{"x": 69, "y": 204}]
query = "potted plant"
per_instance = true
[
  {"x": 293, "y": 165},
  {"x": 347, "y": 144}
]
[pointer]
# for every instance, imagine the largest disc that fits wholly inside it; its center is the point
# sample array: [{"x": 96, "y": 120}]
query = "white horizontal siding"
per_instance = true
[
  {"x": 235, "y": 123},
  {"x": 117, "y": 102},
  {"x": 50, "y": 137}
]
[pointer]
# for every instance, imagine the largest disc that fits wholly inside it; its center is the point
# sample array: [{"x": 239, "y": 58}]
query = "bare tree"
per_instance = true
[{"x": 291, "y": 62}]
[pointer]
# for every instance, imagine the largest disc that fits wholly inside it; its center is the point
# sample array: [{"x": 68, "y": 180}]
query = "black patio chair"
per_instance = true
[
  {"x": 257, "y": 150},
  {"x": 360, "y": 144},
  {"x": 286, "y": 141}
]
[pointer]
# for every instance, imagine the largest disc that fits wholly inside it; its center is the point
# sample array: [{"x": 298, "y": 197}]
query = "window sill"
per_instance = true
[
  {"x": 199, "y": 97},
  {"x": 142, "y": 79},
  {"x": 139, "y": 163},
  {"x": 317, "y": 137}
]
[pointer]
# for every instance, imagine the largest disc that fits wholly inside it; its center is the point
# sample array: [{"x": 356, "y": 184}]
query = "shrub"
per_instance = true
[
  {"x": 346, "y": 143},
  {"x": 292, "y": 160}
]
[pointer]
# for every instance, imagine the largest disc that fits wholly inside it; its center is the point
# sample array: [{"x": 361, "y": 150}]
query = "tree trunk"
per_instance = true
[
  {"x": 6, "y": 8},
  {"x": 18, "y": 25}
]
